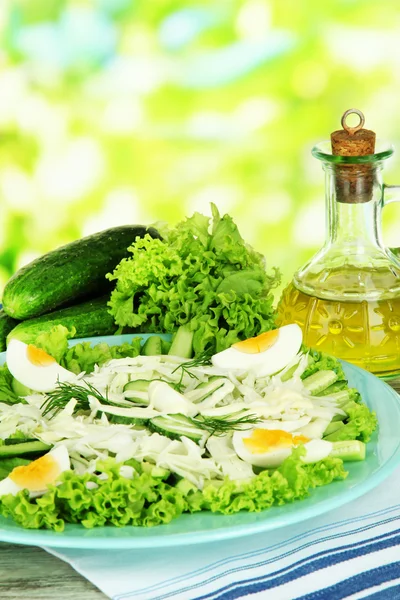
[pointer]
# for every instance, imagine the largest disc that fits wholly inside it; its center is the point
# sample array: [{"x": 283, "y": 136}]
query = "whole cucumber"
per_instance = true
[
  {"x": 90, "y": 318},
  {"x": 70, "y": 273},
  {"x": 6, "y": 325}
]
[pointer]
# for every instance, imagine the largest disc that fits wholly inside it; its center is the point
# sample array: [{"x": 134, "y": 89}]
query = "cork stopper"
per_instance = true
[
  {"x": 353, "y": 141},
  {"x": 354, "y": 183}
]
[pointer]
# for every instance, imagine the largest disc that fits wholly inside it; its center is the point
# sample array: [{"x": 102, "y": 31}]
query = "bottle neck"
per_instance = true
[{"x": 353, "y": 210}]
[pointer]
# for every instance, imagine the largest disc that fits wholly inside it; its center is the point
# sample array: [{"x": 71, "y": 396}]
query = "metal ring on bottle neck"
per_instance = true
[{"x": 352, "y": 130}]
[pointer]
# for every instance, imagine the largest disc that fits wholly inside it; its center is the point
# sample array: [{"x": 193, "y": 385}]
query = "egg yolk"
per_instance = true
[
  {"x": 262, "y": 440},
  {"x": 258, "y": 344},
  {"x": 37, "y": 475},
  {"x": 39, "y": 357}
]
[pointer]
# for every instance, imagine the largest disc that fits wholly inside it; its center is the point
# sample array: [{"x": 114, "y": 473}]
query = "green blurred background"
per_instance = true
[{"x": 116, "y": 111}]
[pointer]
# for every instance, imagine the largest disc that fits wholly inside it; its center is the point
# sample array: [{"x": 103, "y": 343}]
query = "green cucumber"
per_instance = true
[
  {"x": 90, "y": 318},
  {"x": 117, "y": 419},
  {"x": 23, "y": 448},
  {"x": 319, "y": 381},
  {"x": 205, "y": 389},
  {"x": 338, "y": 418},
  {"x": 152, "y": 346},
  {"x": 139, "y": 385},
  {"x": 182, "y": 344},
  {"x": 338, "y": 386},
  {"x": 333, "y": 426},
  {"x": 20, "y": 389},
  {"x": 289, "y": 373},
  {"x": 176, "y": 426},
  {"x": 341, "y": 397},
  {"x": 348, "y": 451},
  {"x": 132, "y": 388},
  {"x": 70, "y": 273},
  {"x": 165, "y": 346},
  {"x": 154, "y": 471},
  {"x": 6, "y": 325}
]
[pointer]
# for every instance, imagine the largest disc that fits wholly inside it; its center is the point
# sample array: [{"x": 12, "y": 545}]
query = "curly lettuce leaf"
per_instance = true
[
  {"x": 293, "y": 480},
  {"x": 147, "y": 500},
  {"x": 84, "y": 356},
  {"x": 203, "y": 275},
  {"x": 8, "y": 464},
  {"x": 78, "y": 358},
  {"x": 359, "y": 424},
  {"x": 7, "y": 394},
  {"x": 318, "y": 361},
  {"x": 55, "y": 342}
]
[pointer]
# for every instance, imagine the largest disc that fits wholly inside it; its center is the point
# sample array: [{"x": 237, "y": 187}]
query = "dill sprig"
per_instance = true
[
  {"x": 59, "y": 398},
  {"x": 201, "y": 360},
  {"x": 220, "y": 425}
]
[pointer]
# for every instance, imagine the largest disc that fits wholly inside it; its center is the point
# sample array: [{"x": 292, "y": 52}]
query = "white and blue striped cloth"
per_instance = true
[{"x": 352, "y": 552}]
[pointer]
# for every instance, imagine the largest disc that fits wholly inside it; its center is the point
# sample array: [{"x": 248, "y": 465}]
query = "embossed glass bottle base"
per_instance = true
[{"x": 366, "y": 334}]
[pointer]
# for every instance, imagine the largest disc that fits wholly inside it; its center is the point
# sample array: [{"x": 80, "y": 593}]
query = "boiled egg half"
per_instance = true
[
  {"x": 267, "y": 353},
  {"x": 34, "y": 368},
  {"x": 36, "y": 476},
  {"x": 268, "y": 448}
]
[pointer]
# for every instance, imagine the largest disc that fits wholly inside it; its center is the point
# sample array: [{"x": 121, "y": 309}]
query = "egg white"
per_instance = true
[
  {"x": 271, "y": 361},
  {"x": 36, "y": 377},
  {"x": 61, "y": 457},
  {"x": 315, "y": 450},
  {"x": 168, "y": 401}
]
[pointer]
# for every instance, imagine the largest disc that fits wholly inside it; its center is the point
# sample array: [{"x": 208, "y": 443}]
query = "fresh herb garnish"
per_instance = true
[
  {"x": 199, "y": 361},
  {"x": 219, "y": 425},
  {"x": 59, "y": 398}
]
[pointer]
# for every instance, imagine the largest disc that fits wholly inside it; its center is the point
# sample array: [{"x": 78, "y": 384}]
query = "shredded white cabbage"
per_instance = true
[{"x": 207, "y": 392}]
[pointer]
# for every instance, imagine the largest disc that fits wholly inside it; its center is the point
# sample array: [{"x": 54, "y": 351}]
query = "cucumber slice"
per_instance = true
[
  {"x": 23, "y": 448},
  {"x": 154, "y": 471},
  {"x": 175, "y": 426},
  {"x": 182, "y": 344},
  {"x": 136, "y": 391},
  {"x": 351, "y": 450},
  {"x": 349, "y": 405},
  {"x": 139, "y": 385},
  {"x": 165, "y": 346},
  {"x": 341, "y": 397},
  {"x": 332, "y": 427},
  {"x": 338, "y": 418},
  {"x": 289, "y": 373},
  {"x": 18, "y": 440},
  {"x": 126, "y": 420},
  {"x": 319, "y": 381},
  {"x": 152, "y": 346},
  {"x": 205, "y": 389},
  {"x": 20, "y": 389},
  {"x": 338, "y": 386}
]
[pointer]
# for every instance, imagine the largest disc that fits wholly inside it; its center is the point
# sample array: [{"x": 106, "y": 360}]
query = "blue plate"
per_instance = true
[{"x": 383, "y": 455}]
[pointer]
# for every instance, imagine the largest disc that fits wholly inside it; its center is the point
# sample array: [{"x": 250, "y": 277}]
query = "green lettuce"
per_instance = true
[
  {"x": 81, "y": 357},
  {"x": 7, "y": 394},
  {"x": 55, "y": 342},
  {"x": 203, "y": 275},
  {"x": 359, "y": 424},
  {"x": 148, "y": 500},
  {"x": 318, "y": 361},
  {"x": 8, "y": 464}
]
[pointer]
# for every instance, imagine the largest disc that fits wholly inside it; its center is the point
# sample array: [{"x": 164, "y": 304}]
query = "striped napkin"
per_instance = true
[{"x": 352, "y": 552}]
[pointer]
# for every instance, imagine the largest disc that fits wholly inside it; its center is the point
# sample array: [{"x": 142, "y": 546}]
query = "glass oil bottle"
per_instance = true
[{"x": 347, "y": 297}]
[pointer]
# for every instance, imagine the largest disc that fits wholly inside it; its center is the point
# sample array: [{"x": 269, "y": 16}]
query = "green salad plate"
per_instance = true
[{"x": 383, "y": 455}]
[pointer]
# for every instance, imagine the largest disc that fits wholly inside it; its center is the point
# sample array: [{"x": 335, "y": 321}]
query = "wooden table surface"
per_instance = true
[{"x": 28, "y": 573}]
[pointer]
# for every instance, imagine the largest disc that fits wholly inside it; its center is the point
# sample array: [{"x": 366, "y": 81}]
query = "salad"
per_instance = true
[{"x": 139, "y": 434}]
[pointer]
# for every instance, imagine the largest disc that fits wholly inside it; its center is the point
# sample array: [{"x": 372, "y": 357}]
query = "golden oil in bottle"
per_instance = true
[{"x": 365, "y": 333}]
